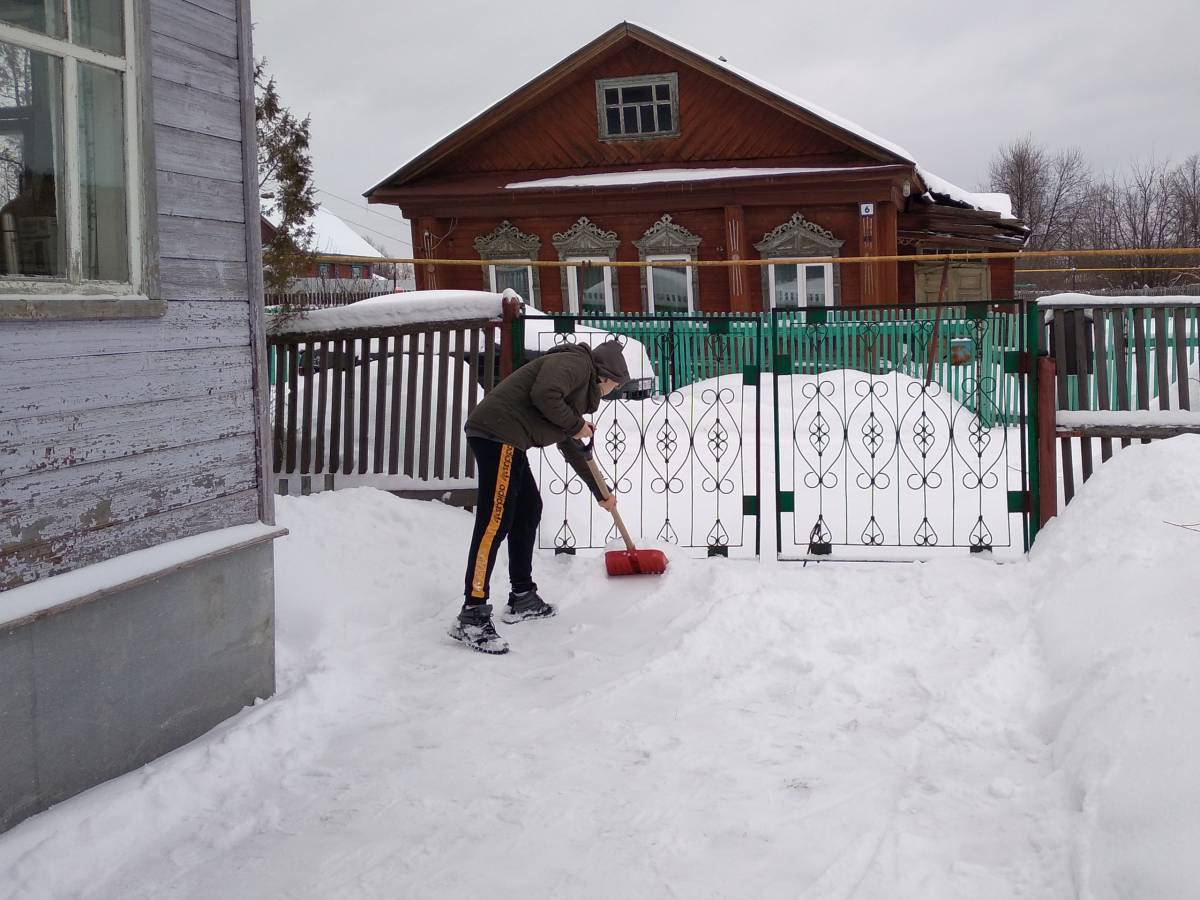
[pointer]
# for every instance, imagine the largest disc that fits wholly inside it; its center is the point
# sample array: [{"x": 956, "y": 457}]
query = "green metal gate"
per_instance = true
[
  {"x": 684, "y": 454},
  {"x": 901, "y": 430},
  {"x": 885, "y": 432}
]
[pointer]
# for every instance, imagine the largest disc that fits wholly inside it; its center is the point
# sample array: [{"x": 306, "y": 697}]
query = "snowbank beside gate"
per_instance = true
[{"x": 1120, "y": 627}]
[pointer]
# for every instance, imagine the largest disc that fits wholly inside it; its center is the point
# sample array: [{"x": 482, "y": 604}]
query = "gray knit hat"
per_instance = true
[{"x": 610, "y": 362}]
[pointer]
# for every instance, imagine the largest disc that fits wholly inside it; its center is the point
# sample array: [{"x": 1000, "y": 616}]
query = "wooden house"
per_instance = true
[
  {"x": 636, "y": 147},
  {"x": 339, "y": 252},
  {"x": 136, "y": 598}
]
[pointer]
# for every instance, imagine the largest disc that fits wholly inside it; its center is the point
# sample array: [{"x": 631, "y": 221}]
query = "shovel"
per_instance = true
[{"x": 631, "y": 560}]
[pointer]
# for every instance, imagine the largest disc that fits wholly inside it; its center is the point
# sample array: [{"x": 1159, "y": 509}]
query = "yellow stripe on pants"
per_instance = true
[{"x": 503, "y": 476}]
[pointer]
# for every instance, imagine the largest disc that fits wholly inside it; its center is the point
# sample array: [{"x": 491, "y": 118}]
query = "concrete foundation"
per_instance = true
[{"x": 96, "y": 690}]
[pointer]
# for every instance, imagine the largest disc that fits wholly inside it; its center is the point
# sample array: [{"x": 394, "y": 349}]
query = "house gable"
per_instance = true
[
  {"x": 716, "y": 123},
  {"x": 551, "y": 123}
]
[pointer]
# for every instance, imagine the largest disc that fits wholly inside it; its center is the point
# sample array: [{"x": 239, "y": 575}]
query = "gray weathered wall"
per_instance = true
[
  {"x": 118, "y": 435},
  {"x": 89, "y": 693}
]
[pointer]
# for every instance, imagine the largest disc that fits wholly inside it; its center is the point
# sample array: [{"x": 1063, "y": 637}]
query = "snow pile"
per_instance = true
[
  {"x": 394, "y": 310},
  {"x": 1120, "y": 626}
]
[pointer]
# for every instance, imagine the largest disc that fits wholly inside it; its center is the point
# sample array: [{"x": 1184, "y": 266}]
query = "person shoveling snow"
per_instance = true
[{"x": 541, "y": 403}]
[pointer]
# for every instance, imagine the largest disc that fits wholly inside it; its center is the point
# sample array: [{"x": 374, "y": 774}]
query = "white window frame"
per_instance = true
[
  {"x": 575, "y": 301},
  {"x": 669, "y": 257},
  {"x": 801, "y": 281},
  {"x": 72, "y": 283},
  {"x": 528, "y": 274}
]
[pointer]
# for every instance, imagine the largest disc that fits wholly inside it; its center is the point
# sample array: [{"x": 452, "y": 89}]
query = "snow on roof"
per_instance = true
[
  {"x": 391, "y": 310},
  {"x": 998, "y": 203},
  {"x": 652, "y": 176},
  {"x": 331, "y": 235}
]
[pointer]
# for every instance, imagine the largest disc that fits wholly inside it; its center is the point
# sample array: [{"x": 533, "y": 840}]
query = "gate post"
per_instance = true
[
  {"x": 512, "y": 336},
  {"x": 1047, "y": 453}
]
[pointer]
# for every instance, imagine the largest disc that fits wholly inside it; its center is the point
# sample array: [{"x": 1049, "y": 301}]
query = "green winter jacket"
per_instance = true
[{"x": 543, "y": 403}]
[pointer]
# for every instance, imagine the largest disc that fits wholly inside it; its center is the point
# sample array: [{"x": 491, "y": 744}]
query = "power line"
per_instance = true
[
  {"x": 390, "y": 237},
  {"x": 355, "y": 203}
]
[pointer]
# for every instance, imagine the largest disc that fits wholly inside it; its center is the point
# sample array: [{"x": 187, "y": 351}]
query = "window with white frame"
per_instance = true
[
  {"x": 69, "y": 171},
  {"x": 797, "y": 286},
  {"x": 669, "y": 287},
  {"x": 518, "y": 278},
  {"x": 638, "y": 107},
  {"x": 502, "y": 251},
  {"x": 589, "y": 287}
]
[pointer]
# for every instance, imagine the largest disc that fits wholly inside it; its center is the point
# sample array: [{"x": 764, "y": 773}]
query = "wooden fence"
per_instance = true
[
  {"x": 1118, "y": 371},
  {"x": 324, "y": 298},
  {"x": 381, "y": 406}
]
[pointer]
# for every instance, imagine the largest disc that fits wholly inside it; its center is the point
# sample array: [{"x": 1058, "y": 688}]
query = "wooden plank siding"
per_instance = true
[
  {"x": 119, "y": 435},
  {"x": 718, "y": 123},
  {"x": 708, "y": 224}
]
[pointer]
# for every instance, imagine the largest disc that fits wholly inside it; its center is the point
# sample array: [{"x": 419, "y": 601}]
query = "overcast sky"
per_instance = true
[{"x": 949, "y": 81}]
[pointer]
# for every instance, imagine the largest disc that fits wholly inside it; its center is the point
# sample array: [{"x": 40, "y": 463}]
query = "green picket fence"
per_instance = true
[{"x": 968, "y": 361}]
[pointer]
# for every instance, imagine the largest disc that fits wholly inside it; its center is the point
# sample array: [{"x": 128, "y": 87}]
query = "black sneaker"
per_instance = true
[
  {"x": 526, "y": 606},
  {"x": 475, "y": 629}
]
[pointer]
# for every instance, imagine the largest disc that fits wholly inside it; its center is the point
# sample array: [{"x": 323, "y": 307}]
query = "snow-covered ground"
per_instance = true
[{"x": 733, "y": 729}]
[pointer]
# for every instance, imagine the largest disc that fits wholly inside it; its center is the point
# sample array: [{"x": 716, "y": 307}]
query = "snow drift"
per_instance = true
[{"x": 732, "y": 729}]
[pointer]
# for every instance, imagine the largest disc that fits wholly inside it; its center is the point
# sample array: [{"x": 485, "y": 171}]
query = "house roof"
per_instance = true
[
  {"x": 536, "y": 89},
  {"x": 331, "y": 235},
  {"x": 939, "y": 191}
]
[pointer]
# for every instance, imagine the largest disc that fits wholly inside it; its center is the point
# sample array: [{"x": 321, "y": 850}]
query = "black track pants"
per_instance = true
[{"x": 509, "y": 507}]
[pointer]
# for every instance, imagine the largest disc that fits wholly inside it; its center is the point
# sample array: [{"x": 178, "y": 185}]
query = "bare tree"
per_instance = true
[
  {"x": 1185, "y": 201},
  {"x": 1047, "y": 189},
  {"x": 1132, "y": 210}
]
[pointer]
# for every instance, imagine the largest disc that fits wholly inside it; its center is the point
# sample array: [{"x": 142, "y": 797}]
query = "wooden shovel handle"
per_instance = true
[{"x": 604, "y": 495}]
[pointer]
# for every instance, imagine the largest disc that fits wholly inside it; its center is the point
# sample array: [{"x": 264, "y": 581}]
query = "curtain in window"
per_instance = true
[{"x": 670, "y": 289}]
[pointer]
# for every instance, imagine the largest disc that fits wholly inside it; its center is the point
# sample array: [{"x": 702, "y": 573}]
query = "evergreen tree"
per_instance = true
[{"x": 285, "y": 182}]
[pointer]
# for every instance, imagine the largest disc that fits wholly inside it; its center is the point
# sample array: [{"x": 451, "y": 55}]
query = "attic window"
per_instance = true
[{"x": 644, "y": 106}]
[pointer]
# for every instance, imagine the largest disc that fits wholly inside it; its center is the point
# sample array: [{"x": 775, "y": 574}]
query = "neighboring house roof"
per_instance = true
[
  {"x": 331, "y": 235},
  {"x": 871, "y": 144}
]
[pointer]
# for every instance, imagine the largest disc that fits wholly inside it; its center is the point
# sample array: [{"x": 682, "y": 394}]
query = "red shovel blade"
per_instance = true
[{"x": 635, "y": 562}]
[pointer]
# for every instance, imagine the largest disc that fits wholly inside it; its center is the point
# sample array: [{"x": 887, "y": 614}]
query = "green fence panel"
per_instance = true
[{"x": 823, "y": 340}]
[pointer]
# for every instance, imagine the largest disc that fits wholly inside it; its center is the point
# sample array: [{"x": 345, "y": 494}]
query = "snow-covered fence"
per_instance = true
[
  {"x": 1170, "y": 290},
  {"x": 1124, "y": 369},
  {"x": 377, "y": 394}
]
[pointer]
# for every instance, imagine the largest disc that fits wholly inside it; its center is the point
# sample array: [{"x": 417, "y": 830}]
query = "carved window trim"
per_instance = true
[
  {"x": 507, "y": 241},
  {"x": 797, "y": 238},
  {"x": 585, "y": 241},
  {"x": 666, "y": 239}
]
